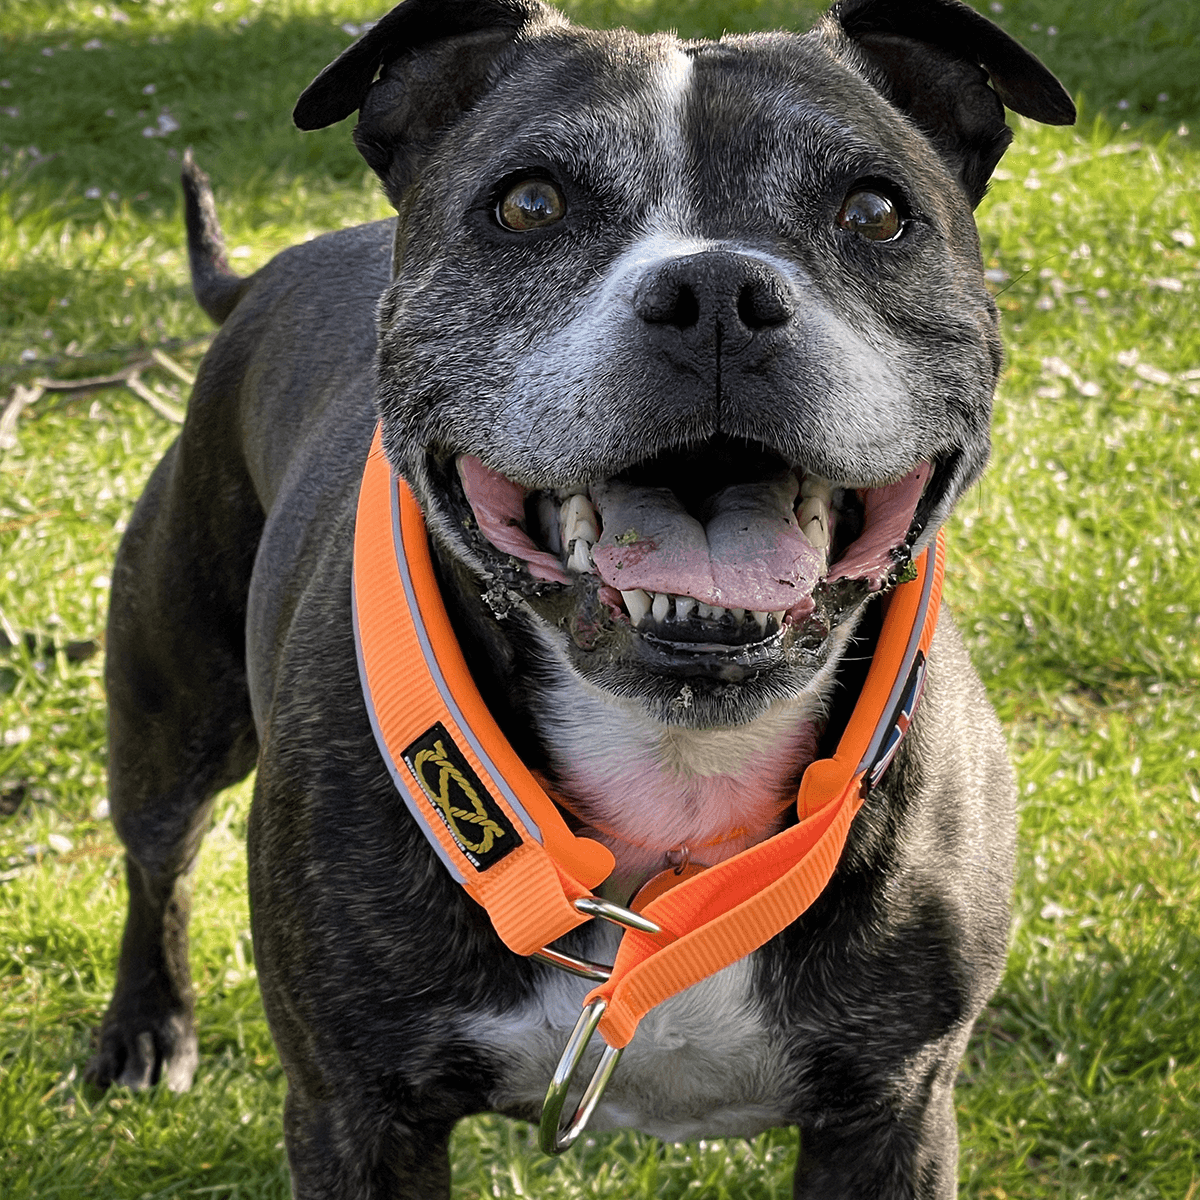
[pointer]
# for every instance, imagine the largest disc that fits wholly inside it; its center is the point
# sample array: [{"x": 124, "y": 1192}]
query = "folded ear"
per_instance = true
[
  {"x": 413, "y": 72},
  {"x": 933, "y": 60}
]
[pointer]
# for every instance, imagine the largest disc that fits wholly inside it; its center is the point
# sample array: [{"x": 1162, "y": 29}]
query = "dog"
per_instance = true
[{"x": 684, "y": 351}]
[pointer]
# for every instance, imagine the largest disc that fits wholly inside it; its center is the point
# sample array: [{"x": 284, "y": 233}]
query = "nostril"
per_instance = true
[
  {"x": 715, "y": 291},
  {"x": 762, "y": 304},
  {"x": 687, "y": 309},
  {"x": 666, "y": 300}
]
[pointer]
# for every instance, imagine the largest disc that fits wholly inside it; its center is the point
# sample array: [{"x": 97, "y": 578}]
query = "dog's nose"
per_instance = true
[{"x": 715, "y": 294}]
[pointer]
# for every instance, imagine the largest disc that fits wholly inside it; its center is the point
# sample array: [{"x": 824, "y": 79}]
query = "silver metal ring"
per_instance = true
[
  {"x": 583, "y": 967},
  {"x": 554, "y": 1140},
  {"x": 593, "y": 906}
]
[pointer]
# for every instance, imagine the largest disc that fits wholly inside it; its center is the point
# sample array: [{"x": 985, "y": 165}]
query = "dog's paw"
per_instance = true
[{"x": 140, "y": 1054}]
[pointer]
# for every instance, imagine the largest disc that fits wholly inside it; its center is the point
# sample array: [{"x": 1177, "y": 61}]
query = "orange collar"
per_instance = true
[{"x": 503, "y": 839}]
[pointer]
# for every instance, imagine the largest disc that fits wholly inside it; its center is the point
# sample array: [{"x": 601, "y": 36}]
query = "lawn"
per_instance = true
[{"x": 1073, "y": 571}]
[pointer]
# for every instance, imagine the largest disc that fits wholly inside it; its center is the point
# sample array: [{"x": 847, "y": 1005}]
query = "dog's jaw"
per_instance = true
[{"x": 658, "y": 794}]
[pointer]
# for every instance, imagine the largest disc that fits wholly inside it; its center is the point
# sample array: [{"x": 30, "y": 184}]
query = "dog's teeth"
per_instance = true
[
  {"x": 581, "y": 557},
  {"x": 638, "y": 604},
  {"x": 779, "y": 617},
  {"x": 738, "y": 615},
  {"x": 815, "y": 485},
  {"x": 579, "y": 521},
  {"x": 813, "y": 519},
  {"x": 684, "y": 607},
  {"x": 661, "y": 607},
  {"x": 716, "y": 612},
  {"x": 761, "y": 620}
]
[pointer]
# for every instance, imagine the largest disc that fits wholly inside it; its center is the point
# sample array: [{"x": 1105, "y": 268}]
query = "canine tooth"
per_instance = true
[
  {"x": 813, "y": 519},
  {"x": 684, "y": 607},
  {"x": 779, "y": 617},
  {"x": 815, "y": 485},
  {"x": 638, "y": 604},
  {"x": 581, "y": 557},
  {"x": 761, "y": 620},
  {"x": 579, "y": 521},
  {"x": 660, "y": 607}
]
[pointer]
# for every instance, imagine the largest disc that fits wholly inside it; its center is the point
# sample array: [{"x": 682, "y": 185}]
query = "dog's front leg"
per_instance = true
[
  {"x": 887, "y": 1155},
  {"x": 340, "y": 1151}
]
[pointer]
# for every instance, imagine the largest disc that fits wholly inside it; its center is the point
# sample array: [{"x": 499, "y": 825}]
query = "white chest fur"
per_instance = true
[{"x": 645, "y": 788}]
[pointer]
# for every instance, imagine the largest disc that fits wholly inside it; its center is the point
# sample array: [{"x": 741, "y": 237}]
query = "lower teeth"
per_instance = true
[{"x": 644, "y": 607}]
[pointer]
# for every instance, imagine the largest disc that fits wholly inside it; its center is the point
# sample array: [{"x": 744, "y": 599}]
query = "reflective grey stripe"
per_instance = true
[
  {"x": 435, "y": 672},
  {"x": 404, "y": 782},
  {"x": 884, "y": 727}
]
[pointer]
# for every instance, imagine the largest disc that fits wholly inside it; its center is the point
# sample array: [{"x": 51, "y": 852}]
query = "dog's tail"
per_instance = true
[{"x": 217, "y": 287}]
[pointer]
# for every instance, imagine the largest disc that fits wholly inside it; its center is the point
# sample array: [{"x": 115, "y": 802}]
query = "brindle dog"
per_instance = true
[{"x": 726, "y": 292}]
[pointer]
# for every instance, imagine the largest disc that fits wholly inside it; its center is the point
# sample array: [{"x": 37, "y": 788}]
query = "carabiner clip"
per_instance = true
[{"x": 554, "y": 1140}]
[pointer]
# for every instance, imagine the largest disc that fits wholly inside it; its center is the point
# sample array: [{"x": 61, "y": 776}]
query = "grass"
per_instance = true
[{"x": 1073, "y": 574}]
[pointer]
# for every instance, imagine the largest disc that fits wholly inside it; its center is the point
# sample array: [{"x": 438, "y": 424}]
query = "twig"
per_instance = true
[
  {"x": 156, "y": 402},
  {"x": 22, "y": 397},
  {"x": 128, "y": 353},
  {"x": 91, "y": 382},
  {"x": 169, "y": 364}
]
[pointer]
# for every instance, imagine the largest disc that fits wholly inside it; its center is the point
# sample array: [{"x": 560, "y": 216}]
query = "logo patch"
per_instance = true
[{"x": 478, "y": 825}]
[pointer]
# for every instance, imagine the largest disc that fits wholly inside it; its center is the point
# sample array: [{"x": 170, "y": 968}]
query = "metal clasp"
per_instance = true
[
  {"x": 584, "y": 967},
  {"x": 593, "y": 906},
  {"x": 553, "y": 1139}
]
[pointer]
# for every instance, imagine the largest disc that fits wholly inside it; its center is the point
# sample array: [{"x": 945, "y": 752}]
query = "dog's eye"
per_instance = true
[
  {"x": 531, "y": 204},
  {"x": 871, "y": 215}
]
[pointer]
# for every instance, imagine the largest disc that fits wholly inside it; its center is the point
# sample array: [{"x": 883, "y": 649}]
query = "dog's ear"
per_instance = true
[
  {"x": 933, "y": 59},
  {"x": 413, "y": 72}
]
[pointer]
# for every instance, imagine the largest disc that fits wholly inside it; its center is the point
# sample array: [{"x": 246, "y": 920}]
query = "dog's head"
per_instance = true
[{"x": 688, "y": 350}]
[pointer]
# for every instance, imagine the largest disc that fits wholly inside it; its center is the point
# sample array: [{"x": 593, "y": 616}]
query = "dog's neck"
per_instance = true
[
  {"x": 659, "y": 794},
  {"x": 644, "y": 788}
]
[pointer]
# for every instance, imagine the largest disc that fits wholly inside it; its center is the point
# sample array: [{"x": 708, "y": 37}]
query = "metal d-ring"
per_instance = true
[
  {"x": 593, "y": 906},
  {"x": 583, "y": 967},
  {"x": 552, "y": 1138}
]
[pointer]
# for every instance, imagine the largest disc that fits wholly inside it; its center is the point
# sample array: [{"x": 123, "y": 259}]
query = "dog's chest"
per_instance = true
[{"x": 700, "y": 1065}]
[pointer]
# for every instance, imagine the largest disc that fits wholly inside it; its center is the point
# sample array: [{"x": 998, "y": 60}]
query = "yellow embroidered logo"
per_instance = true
[{"x": 478, "y": 825}]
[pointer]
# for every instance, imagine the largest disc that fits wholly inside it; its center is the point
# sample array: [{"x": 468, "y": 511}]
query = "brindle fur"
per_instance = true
[{"x": 230, "y": 639}]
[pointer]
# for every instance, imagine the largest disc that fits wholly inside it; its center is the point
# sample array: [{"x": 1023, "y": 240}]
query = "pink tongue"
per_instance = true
[
  {"x": 750, "y": 553},
  {"x": 499, "y": 507}
]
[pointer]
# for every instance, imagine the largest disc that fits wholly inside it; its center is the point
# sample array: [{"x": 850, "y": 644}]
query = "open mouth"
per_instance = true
[{"x": 724, "y": 545}]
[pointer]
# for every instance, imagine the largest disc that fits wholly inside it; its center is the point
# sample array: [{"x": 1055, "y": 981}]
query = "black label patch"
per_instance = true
[{"x": 478, "y": 825}]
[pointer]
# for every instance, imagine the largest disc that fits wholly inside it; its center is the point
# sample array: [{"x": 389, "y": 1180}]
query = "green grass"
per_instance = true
[{"x": 1073, "y": 573}]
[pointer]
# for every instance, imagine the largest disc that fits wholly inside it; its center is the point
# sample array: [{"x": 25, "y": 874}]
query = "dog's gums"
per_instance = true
[{"x": 719, "y": 546}]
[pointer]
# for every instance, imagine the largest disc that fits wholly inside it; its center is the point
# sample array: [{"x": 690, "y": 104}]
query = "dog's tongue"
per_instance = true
[{"x": 748, "y": 553}]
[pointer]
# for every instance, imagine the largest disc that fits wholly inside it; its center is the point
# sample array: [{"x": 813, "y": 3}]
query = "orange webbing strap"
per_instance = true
[
  {"x": 501, "y": 836},
  {"x": 729, "y": 910},
  {"x": 494, "y": 828}
]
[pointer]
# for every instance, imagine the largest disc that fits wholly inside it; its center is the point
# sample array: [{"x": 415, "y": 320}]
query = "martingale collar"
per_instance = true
[{"x": 505, "y": 841}]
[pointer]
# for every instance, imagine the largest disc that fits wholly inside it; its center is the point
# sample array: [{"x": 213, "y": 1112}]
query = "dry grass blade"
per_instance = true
[
  {"x": 156, "y": 402},
  {"x": 22, "y": 398}
]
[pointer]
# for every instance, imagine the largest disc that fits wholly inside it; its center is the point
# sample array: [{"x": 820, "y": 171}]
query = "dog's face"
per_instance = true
[{"x": 688, "y": 350}]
